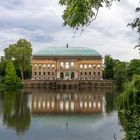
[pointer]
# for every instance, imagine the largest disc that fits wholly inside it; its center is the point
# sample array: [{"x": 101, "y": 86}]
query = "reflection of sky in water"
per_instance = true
[
  {"x": 98, "y": 126},
  {"x": 80, "y": 127}
]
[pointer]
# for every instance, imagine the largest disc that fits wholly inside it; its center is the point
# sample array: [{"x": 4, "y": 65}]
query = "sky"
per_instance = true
[{"x": 41, "y": 23}]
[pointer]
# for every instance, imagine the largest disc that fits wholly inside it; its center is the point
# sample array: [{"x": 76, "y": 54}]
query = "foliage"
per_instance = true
[
  {"x": 109, "y": 64},
  {"x": 2, "y": 66},
  {"x": 128, "y": 104},
  {"x": 131, "y": 125},
  {"x": 80, "y": 13},
  {"x": 120, "y": 74},
  {"x": 131, "y": 95},
  {"x": 20, "y": 53},
  {"x": 136, "y": 25},
  {"x": 133, "y": 68},
  {"x": 10, "y": 74}
]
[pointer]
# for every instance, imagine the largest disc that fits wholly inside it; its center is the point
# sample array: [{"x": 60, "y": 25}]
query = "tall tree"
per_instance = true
[
  {"x": 10, "y": 74},
  {"x": 109, "y": 64},
  {"x": 120, "y": 74},
  {"x": 133, "y": 68},
  {"x": 128, "y": 104},
  {"x": 20, "y": 53}
]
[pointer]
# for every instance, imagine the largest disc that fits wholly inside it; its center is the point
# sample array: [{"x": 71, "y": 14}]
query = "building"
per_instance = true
[{"x": 69, "y": 63}]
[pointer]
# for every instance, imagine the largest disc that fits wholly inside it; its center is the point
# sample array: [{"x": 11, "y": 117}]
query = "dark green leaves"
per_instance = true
[{"x": 80, "y": 13}]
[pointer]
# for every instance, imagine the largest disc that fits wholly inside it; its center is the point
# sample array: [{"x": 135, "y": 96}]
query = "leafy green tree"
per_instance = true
[
  {"x": 80, "y": 13},
  {"x": 108, "y": 70},
  {"x": 2, "y": 66},
  {"x": 10, "y": 74},
  {"x": 136, "y": 25},
  {"x": 133, "y": 68},
  {"x": 21, "y": 54},
  {"x": 128, "y": 104},
  {"x": 120, "y": 74}
]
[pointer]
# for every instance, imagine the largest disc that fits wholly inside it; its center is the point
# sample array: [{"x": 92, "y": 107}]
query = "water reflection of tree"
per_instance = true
[
  {"x": 110, "y": 97},
  {"x": 16, "y": 113}
]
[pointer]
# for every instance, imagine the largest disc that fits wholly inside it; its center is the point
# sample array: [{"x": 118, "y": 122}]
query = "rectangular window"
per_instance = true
[
  {"x": 49, "y": 66},
  {"x": 81, "y": 66},
  {"x": 72, "y": 63},
  {"x": 67, "y": 65},
  {"x": 89, "y": 66},
  {"x": 35, "y": 73},
  {"x": 39, "y": 73},
  {"x": 35, "y": 66},
  {"x": 98, "y": 66},
  {"x": 44, "y": 73},
  {"x": 48, "y": 73}
]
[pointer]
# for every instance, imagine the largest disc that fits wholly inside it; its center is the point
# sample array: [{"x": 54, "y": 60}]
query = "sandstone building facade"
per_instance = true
[{"x": 66, "y": 63}]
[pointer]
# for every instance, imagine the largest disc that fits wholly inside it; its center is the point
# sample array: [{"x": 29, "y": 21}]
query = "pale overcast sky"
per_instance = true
[{"x": 40, "y": 22}]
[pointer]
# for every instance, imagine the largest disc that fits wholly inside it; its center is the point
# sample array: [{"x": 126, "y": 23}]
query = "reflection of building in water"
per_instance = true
[{"x": 49, "y": 102}]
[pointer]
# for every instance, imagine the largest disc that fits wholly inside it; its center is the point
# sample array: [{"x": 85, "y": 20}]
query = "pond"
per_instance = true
[{"x": 40, "y": 114}]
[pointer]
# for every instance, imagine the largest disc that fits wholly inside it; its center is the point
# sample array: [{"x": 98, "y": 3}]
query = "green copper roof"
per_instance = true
[{"x": 63, "y": 51}]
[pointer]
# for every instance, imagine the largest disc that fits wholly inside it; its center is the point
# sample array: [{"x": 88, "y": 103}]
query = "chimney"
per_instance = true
[{"x": 67, "y": 46}]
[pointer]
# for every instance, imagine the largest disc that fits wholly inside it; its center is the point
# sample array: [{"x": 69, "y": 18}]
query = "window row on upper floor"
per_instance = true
[
  {"x": 40, "y": 66},
  {"x": 67, "y": 64},
  {"x": 85, "y": 66}
]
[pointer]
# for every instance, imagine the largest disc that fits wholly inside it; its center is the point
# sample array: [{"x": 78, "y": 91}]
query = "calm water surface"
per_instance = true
[{"x": 38, "y": 114}]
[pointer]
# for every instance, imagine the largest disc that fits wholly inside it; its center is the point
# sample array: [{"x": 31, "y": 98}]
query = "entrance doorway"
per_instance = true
[
  {"x": 72, "y": 75},
  {"x": 61, "y": 75}
]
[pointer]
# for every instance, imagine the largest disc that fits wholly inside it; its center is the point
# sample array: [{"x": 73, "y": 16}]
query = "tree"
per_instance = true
[
  {"x": 80, "y": 13},
  {"x": 10, "y": 74},
  {"x": 136, "y": 25},
  {"x": 2, "y": 66},
  {"x": 128, "y": 104},
  {"x": 20, "y": 53},
  {"x": 120, "y": 74},
  {"x": 109, "y": 64},
  {"x": 133, "y": 68}
]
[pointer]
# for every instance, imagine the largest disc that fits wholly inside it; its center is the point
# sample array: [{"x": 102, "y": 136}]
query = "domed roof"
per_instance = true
[{"x": 66, "y": 51}]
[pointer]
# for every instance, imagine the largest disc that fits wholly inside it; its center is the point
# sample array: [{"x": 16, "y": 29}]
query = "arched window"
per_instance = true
[
  {"x": 67, "y": 65},
  {"x": 62, "y": 75},
  {"x": 94, "y": 66},
  {"x": 72, "y": 75},
  {"x": 40, "y": 66}
]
